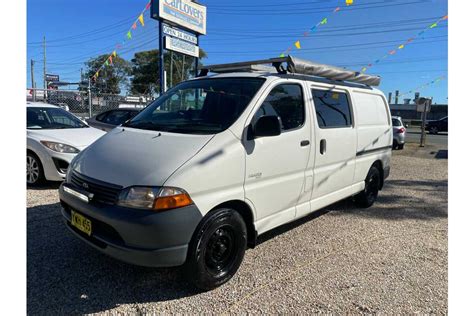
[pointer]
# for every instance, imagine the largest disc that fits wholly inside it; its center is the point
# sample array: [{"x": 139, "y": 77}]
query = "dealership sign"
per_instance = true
[
  {"x": 50, "y": 78},
  {"x": 174, "y": 32},
  {"x": 180, "y": 46},
  {"x": 185, "y": 13}
]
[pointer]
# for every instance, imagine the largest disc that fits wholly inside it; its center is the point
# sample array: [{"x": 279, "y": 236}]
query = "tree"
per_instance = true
[
  {"x": 111, "y": 77},
  {"x": 145, "y": 70}
]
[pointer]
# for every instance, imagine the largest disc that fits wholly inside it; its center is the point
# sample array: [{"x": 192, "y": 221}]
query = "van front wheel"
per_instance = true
[
  {"x": 371, "y": 190},
  {"x": 217, "y": 249}
]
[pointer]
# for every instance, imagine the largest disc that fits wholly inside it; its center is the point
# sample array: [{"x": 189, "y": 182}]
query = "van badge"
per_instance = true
[
  {"x": 85, "y": 185},
  {"x": 257, "y": 175}
]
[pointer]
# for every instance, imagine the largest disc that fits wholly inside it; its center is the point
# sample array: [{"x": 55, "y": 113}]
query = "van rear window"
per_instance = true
[{"x": 332, "y": 109}]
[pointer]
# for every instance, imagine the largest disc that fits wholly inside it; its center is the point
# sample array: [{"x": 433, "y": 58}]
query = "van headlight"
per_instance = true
[
  {"x": 59, "y": 147},
  {"x": 154, "y": 198}
]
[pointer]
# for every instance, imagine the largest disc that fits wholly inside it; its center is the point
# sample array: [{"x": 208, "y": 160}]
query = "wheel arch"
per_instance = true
[{"x": 246, "y": 212}]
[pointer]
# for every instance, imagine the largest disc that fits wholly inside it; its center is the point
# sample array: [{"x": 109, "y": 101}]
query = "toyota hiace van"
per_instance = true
[{"x": 217, "y": 160}]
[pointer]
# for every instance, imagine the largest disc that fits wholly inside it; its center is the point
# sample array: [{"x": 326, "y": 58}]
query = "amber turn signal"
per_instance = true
[{"x": 173, "y": 201}]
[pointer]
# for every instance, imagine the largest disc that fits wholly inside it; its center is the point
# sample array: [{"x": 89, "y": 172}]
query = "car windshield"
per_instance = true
[
  {"x": 51, "y": 118},
  {"x": 204, "y": 106}
]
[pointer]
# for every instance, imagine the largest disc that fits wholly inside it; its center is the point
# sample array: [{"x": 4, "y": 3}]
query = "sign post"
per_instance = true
[
  {"x": 423, "y": 105},
  {"x": 185, "y": 21}
]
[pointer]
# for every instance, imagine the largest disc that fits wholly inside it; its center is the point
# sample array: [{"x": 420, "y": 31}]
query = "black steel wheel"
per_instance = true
[
  {"x": 216, "y": 249},
  {"x": 371, "y": 190}
]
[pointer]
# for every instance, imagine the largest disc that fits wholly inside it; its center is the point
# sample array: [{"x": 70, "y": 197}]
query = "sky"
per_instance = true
[{"x": 255, "y": 29}]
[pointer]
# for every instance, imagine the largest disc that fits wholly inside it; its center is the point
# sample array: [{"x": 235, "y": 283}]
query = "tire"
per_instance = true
[
  {"x": 372, "y": 184},
  {"x": 34, "y": 170},
  {"x": 216, "y": 249},
  {"x": 433, "y": 130},
  {"x": 395, "y": 144}
]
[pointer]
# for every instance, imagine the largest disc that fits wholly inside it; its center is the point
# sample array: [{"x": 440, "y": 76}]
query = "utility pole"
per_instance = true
[
  {"x": 89, "y": 97},
  {"x": 44, "y": 63},
  {"x": 32, "y": 68},
  {"x": 82, "y": 75}
]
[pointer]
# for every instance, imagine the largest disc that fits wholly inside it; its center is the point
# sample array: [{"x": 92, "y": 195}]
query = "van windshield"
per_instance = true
[{"x": 204, "y": 106}]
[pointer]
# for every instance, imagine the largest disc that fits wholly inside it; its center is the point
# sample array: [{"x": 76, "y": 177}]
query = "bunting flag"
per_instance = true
[
  {"x": 128, "y": 36},
  {"x": 423, "y": 86},
  {"x": 324, "y": 21},
  {"x": 408, "y": 41}
]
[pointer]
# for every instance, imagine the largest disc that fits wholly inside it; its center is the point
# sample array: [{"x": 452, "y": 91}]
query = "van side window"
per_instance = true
[
  {"x": 332, "y": 109},
  {"x": 285, "y": 101}
]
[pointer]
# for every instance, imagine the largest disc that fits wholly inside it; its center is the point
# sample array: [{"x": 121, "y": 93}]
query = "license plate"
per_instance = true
[{"x": 81, "y": 223}]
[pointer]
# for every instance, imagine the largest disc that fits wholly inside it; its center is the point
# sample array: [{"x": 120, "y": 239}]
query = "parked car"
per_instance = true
[
  {"x": 54, "y": 137},
  {"x": 399, "y": 132},
  {"x": 434, "y": 127},
  {"x": 108, "y": 120},
  {"x": 218, "y": 160}
]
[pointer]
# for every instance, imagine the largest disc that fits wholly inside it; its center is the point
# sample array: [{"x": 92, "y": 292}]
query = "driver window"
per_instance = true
[{"x": 286, "y": 102}]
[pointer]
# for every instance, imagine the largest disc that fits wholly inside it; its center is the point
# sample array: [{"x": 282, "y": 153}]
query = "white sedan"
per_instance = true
[{"x": 54, "y": 137}]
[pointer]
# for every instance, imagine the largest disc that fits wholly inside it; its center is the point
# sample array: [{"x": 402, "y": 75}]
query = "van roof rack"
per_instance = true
[{"x": 296, "y": 66}]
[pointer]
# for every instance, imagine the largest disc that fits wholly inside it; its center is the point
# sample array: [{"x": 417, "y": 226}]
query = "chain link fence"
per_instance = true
[{"x": 83, "y": 105}]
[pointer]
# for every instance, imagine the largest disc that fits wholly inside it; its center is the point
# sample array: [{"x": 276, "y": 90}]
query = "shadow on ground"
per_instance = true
[{"x": 66, "y": 276}]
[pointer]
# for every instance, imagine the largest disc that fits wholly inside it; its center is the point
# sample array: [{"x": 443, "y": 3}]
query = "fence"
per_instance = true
[{"x": 84, "y": 105}]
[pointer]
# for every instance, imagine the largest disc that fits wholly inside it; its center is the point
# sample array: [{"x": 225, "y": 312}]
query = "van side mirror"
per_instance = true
[{"x": 267, "y": 126}]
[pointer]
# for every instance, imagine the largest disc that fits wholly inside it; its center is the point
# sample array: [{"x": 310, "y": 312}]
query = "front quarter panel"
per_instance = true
[{"x": 215, "y": 174}]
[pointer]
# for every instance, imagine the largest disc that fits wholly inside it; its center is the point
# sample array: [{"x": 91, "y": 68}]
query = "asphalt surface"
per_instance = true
[
  {"x": 391, "y": 258},
  {"x": 414, "y": 133}
]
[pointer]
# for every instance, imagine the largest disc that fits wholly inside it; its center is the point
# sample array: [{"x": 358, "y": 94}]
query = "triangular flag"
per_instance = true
[
  {"x": 392, "y": 52},
  {"x": 305, "y": 34},
  {"x": 114, "y": 53},
  {"x": 140, "y": 18},
  {"x": 107, "y": 62},
  {"x": 129, "y": 35},
  {"x": 369, "y": 65},
  {"x": 433, "y": 25},
  {"x": 444, "y": 18},
  {"x": 349, "y": 2},
  {"x": 336, "y": 9},
  {"x": 110, "y": 59},
  {"x": 410, "y": 40},
  {"x": 134, "y": 26},
  {"x": 364, "y": 69},
  {"x": 401, "y": 46},
  {"x": 298, "y": 44},
  {"x": 324, "y": 21},
  {"x": 421, "y": 32},
  {"x": 118, "y": 46},
  {"x": 282, "y": 55},
  {"x": 313, "y": 28},
  {"x": 148, "y": 5}
]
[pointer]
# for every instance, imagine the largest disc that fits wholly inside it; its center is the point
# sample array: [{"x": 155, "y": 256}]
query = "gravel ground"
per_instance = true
[{"x": 391, "y": 258}]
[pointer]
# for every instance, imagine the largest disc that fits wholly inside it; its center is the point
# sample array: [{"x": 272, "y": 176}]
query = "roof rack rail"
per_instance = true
[{"x": 296, "y": 66}]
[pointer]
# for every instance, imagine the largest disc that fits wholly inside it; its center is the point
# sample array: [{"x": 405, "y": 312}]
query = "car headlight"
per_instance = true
[
  {"x": 154, "y": 198},
  {"x": 60, "y": 148}
]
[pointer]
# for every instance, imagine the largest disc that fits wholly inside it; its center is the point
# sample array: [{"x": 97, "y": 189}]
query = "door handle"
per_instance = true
[
  {"x": 322, "y": 146},
  {"x": 304, "y": 143}
]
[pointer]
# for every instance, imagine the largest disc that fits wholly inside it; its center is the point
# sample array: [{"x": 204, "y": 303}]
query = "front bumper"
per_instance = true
[{"x": 140, "y": 237}]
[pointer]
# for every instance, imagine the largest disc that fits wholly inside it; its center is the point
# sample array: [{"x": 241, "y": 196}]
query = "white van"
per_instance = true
[{"x": 218, "y": 160}]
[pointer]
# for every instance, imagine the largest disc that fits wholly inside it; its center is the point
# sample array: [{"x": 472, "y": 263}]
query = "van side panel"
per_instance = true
[
  {"x": 374, "y": 132},
  {"x": 215, "y": 174}
]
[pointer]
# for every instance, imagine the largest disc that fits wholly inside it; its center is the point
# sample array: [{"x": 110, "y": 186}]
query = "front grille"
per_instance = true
[{"x": 103, "y": 192}]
